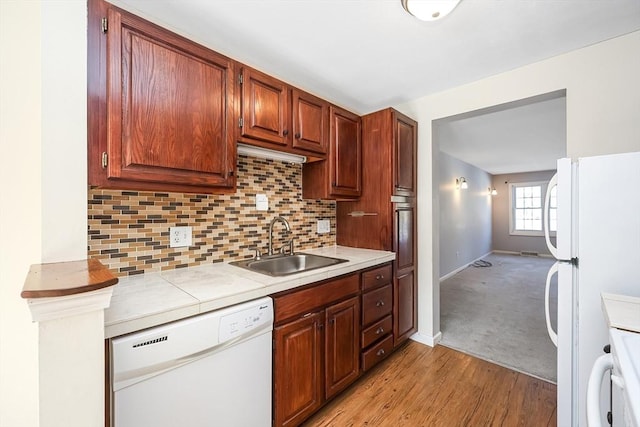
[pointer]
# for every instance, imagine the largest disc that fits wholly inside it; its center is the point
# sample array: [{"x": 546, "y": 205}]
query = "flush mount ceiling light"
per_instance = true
[{"x": 429, "y": 10}]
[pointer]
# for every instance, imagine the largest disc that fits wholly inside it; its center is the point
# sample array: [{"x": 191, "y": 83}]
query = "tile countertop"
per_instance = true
[{"x": 140, "y": 302}]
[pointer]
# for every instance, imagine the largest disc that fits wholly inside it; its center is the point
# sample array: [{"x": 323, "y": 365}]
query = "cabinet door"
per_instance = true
[
  {"x": 405, "y": 281},
  {"x": 406, "y": 319},
  {"x": 265, "y": 107},
  {"x": 405, "y": 144},
  {"x": 310, "y": 118},
  {"x": 346, "y": 153},
  {"x": 342, "y": 345},
  {"x": 169, "y": 107},
  {"x": 298, "y": 381}
]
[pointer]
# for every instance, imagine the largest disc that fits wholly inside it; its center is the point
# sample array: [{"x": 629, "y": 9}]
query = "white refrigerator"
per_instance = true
[{"x": 598, "y": 250}]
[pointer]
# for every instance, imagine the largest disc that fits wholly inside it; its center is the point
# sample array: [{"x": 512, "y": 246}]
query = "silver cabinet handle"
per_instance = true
[
  {"x": 380, "y": 330},
  {"x": 380, "y": 352},
  {"x": 380, "y": 303}
]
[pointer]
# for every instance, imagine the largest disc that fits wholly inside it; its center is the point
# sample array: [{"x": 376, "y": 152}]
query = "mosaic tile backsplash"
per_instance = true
[{"x": 129, "y": 230}]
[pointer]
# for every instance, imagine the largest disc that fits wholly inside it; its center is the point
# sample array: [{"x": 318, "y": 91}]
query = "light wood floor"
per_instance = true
[{"x": 423, "y": 386}]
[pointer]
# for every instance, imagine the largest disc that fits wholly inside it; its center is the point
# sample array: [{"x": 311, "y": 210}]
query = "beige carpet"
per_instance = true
[{"x": 497, "y": 314}]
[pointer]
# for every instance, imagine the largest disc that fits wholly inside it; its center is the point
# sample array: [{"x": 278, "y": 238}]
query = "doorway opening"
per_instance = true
[{"x": 506, "y": 154}]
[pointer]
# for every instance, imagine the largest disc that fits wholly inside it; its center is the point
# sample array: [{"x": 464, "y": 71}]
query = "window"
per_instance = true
[
  {"x": 553, "y": 210},
  {"x": 526, "y": 203}
]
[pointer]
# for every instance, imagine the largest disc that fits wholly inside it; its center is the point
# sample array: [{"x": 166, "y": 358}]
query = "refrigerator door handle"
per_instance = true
[
  {"x": 552, "y": 334},
  {"x": 547, "y": 199}
]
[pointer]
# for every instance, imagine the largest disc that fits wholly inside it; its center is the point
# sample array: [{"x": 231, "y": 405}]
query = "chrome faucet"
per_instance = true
[{"x": 273, "y": 221}]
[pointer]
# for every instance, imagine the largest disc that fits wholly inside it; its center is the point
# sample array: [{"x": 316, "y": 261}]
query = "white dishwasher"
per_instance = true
[{"x": 213, "y": 369}]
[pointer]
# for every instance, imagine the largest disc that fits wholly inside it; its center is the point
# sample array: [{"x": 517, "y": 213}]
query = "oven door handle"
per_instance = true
[{"x": 602, "y": 364}]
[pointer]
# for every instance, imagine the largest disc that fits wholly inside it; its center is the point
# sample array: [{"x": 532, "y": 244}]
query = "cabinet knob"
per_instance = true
[
  {"x": 320, "y": 326},
  {"x": 380, "y": 352},
  {"x": 332, "y": 321},
  {"x": 379, "y": 277},
  {"x": 297, "y": 135},
  {"x": 380, "y": 330},
  {"x": 285, "y": 132},
  {"x": 380, "y": 303}
]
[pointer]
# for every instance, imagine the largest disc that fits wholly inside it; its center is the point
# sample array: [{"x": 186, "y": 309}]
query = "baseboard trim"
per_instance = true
[
  {"x": 431, "y": 341},
  {"x": 496, "y": 251},
  {"x": 458, "y": 270}
]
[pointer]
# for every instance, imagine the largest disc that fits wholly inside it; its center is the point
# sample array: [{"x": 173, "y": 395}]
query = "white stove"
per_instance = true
[
  {"x": 623, "y": 317},
  {"x": 625, "y": 349}
]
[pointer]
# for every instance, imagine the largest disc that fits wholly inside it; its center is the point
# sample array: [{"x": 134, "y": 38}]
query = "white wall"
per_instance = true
[
  {"x": 43, "y": 167},
  {"x": 465, "y": 215},
  {"x": 64, "y": 130},
  {"x": 603, "y": 106},
  {"x": 20, "y": 207}
]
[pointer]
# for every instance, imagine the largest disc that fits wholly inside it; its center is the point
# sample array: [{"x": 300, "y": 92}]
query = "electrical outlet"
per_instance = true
[
  {"x": 324, "y": 226},
  {"x": 180, "y": 236}
]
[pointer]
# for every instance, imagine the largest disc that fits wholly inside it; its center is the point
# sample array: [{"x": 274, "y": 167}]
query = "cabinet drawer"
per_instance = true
[
  {"x": 377, "y": 353},
  {"x": 376, "y": 304},
  {"x": 309, "y": 299},
  {"x": 376, "y": 331},
  {"x": 375, "y": 278}
]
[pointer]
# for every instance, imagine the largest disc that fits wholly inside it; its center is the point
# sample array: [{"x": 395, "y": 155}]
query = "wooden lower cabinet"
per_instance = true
[
  {"x": 298, "y": 380},
  {"x": 325, "y": 336},
  {"x": 342, "y": 346},
  {"x": 377, "y": 316},
  {"x": 405, "y": 308},
  {"x": 317, "y": 350},
  {"x": 377, "y": 353}
]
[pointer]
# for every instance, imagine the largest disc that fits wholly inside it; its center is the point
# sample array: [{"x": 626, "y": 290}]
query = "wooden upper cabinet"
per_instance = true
[
  {"x": 346, "y": 153},
  {"x": 264, "y": 104},
  {"x": 340, "y": 176},
  {"x": 389, "y": 197},
  {"x": 278, "y": 116},
  {"x": 169, "y": 111},
  {"x": 405, "y": 155},
  {"x": 310, "y": 122}
]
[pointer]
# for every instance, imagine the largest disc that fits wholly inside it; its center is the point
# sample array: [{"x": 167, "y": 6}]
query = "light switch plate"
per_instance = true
[
  {"x": 262, "y": 202},
  {"x": 180, "y": 236},
  {"x": 324, "y": 226}
]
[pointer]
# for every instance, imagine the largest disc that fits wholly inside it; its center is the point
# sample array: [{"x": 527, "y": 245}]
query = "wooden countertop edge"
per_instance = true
[{"x": 60, "y": 279}]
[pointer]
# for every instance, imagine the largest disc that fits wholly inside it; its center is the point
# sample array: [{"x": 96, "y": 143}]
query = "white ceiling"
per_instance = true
[
  {"x": 522, "y": 136},
  {"x": 365, "y": 55}
]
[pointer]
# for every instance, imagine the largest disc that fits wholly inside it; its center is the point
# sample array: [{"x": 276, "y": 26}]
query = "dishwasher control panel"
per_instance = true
[{"x": 247, "y": 321}]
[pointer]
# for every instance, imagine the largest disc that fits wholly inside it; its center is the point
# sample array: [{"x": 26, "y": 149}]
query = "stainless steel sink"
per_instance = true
[{"x": 283, "y": 265}]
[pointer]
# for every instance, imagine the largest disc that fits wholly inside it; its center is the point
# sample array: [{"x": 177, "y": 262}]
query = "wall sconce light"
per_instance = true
[
  {"x": 461, "y": 183},
  {"x": 492, "y": 191}
]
